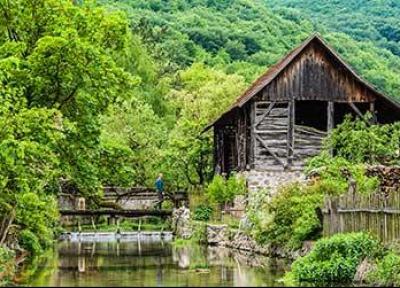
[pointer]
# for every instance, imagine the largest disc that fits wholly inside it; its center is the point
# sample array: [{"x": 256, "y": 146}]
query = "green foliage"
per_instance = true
[
  {"x": 374, "y": 21},
  {"x": 199, "y": 232},
  {"x": 167, "y": 205},
  {"x": 7, "y": 265},
  {"x": 136, "y": 131},
  {"x": 115, "y": 165},
  {"x": 29, "y": 241},
  {"x": 58, "y": 75},
  {"x": 202, "y": 93},
  {"x": 202, "y": 212},
  {"x": 95, "y": 97},
  {"x": 359, "y": 142},
  {"x": 221, "y": 191},
  {"x": 387, "y": 273},
  {"x": 244, "y": 37},
  {"x": 37, "y": 215},
  {"x": 335, "y": 259},
  {"x": 291, "y": 216},
  {"x": 335, "y": 173}
]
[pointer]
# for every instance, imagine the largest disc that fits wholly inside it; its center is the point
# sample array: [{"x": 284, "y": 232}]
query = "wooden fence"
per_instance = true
[{"x": 378, "y": 213}]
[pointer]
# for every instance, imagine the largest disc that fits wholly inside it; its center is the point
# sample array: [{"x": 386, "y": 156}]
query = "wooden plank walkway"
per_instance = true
[{"x": 122, "y": 213}]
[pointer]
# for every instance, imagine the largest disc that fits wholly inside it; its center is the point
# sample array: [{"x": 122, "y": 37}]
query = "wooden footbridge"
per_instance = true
[
  {"x": 120, "y": 213},
  {"x": 122, "y": 202}
]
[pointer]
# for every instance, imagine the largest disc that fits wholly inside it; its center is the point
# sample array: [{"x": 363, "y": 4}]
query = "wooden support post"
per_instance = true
[
  {"x": 237, "y": 143},
  {"x": 373, "y": 112},
  {"x": 216, "y": 148},
  {"x": 118, "y": 229},
  {"x": 252, "y": 135},
  {"x": 331, "y": 116},
  {"x": 245, "y": 139},
  {"x": 79, "y": 224},
  {"x": 222, "y": 142},
  {"x": 331, "y": 119},
  {"x": 290, "y": 134},
  {"x": 93, "y": 225}
]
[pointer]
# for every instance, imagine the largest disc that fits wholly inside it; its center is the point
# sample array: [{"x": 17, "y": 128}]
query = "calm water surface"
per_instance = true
[{"x": 153, "y": 263}]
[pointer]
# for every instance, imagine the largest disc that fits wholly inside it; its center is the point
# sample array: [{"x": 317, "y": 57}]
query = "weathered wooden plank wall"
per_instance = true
[
  {"x": 270, "y": 130},
  {"x": 378, "y": 213},
  {"x": 316, "y": 75}
]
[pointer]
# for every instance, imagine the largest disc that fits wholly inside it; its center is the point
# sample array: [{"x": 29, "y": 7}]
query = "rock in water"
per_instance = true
[
  {"x": 217, "y": 234},
  {"x": 181, "y": 223}
]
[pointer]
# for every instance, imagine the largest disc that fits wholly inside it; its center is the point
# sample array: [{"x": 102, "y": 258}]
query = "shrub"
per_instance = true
[
  {"x": 199, "y": 232},
  {"x": 222, "y": 191},
  {"x": 38, "y": 214},
  {"x": 7, "y": 266},
  {"x": 30, "y": 242},
  {"x": 335, "y": 172},
  {"x": 202, "y": 212},
  {"x": 359, "y": 142},
  {"x": 292, "y": 216},
  {"x": 387, "y": 272},
  {"x": 335, "y": 259},
  {"x": 167, "y": 205}
]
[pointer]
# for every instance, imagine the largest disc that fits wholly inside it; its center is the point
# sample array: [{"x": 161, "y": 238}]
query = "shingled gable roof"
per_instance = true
[{"x": 276, "y": 69}]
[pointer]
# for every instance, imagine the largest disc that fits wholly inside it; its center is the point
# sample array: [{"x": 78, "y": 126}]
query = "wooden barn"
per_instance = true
[{"x": 281, "y": 119}]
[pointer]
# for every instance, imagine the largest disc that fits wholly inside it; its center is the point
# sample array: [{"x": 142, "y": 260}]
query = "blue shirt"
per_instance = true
[{"x": 160, "y": 185}]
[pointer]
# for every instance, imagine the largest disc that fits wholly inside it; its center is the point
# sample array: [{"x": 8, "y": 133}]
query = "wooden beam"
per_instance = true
[
  {"x": 124, "y": 213},
  {"x": 310, "y": 130},
  {"x": 291, "y": 133},
  {"x": 355, "y": 108},
  {"x": 252, "y": 135},
  {"x": 271, "y": 106},
  {"x": 269, "y": 150},
  {"x": 374, "y": 120},
  {"x": 331, "y": 116}
]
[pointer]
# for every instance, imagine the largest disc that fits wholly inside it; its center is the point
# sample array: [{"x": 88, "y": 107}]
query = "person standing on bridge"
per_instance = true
[{"x": 160, "y": 189}]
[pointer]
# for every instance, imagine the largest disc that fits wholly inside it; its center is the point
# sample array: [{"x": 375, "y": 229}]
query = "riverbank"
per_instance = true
[{"x": 223, "y": 235}]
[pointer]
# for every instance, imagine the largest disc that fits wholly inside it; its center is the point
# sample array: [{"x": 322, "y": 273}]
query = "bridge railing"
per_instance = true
[{"x": 126, "y": 197}]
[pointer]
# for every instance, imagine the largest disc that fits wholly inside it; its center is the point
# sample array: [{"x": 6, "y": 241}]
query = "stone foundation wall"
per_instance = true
[{"x": 271, "y": 180}]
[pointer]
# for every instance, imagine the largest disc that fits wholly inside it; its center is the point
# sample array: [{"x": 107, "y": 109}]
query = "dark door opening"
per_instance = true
[
  {"x": 343, "y": 109},
  {"x": 312, "y": 114}
]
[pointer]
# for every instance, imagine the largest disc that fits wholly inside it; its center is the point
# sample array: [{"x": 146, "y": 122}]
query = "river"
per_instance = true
[{"x": 150, "y": 262}]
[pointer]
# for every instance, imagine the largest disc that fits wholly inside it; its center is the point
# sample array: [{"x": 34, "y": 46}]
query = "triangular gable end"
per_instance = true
[{"x": 315, "y": 65}]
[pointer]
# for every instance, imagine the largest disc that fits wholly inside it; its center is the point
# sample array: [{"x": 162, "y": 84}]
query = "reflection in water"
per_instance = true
[{"x": 154, "y": 263}]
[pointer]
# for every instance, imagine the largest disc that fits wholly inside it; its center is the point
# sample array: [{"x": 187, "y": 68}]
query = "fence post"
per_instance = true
[{"x": 333, "y": 211}]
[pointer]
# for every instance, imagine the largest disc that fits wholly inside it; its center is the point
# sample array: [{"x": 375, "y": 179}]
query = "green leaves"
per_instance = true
[
  {"x": 336, "y": 172},
  {"x": 335, "y": 259},
  {"x": 291, "y": 216},
  {"x": 388, "y": 271},
  {"x": 359, "y": 142},
  {"x": 221, "y": 190}
]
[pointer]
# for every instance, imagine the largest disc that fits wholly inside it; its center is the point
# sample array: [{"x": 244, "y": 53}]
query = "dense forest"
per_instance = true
[
  {"x": 365, "y": 20},
  {"x": 113, "y": 92}
]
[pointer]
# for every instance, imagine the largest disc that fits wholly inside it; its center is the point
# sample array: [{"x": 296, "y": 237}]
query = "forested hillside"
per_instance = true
[
  {"x": 245, "y": 37},
  {"x": 366, "y": 20}
]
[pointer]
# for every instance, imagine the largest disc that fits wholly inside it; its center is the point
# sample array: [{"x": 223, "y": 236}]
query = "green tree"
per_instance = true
[{"x": 203, "y": 94}]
